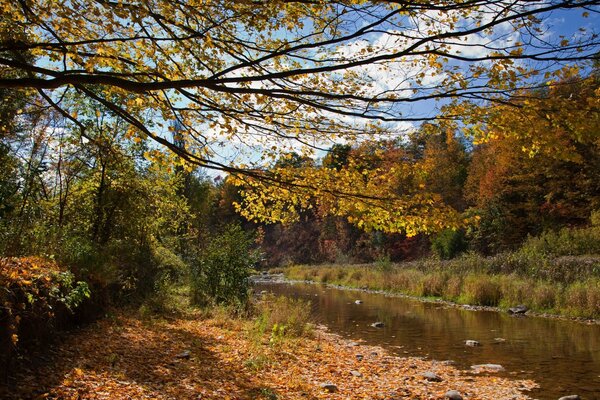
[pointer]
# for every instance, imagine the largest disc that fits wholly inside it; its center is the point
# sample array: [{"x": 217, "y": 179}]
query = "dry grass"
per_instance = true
[{"x": 580, "y": 299}]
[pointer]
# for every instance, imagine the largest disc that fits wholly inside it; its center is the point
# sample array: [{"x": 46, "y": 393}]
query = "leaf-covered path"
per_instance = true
[{"x": 126, "y": 357}]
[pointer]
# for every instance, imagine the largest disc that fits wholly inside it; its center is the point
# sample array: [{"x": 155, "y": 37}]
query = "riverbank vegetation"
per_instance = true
[{"x": 557, "y": 273}]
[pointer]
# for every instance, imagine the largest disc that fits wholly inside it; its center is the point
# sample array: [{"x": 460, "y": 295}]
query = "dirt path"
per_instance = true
[{"x": 126, "y": 357}]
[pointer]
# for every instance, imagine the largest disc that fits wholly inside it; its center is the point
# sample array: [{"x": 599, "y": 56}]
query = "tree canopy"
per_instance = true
[{"x": 256, "y": 79}]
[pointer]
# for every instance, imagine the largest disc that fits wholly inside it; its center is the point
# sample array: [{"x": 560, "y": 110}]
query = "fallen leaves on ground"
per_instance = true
[{"x": 127, "y": 357}]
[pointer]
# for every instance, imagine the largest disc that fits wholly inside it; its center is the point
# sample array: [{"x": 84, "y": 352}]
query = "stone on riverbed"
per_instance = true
[
  {"x": 358, "y": 302},
  {"x": 432, "y": 377},
  {"x": 378, "y": 324},
  {"x": 472, "y": 343},
  {"x": 453, "y": 395},
  {"x": 487, "y": 368},
  {"x": 570, "y": 397}
]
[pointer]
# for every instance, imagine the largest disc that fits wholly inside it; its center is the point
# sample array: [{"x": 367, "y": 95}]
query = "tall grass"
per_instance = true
[{"x": 476, "y": 287}]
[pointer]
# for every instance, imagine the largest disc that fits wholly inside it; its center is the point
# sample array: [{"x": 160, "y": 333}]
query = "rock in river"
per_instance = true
[
  {"x": 358, "y": 302},
  {"x": 520, "y": 309},
  {"x": 378, "y": 324},
  {"x": 570, "y": 397},
  {"x": 487, "y": 368},
  {"x": 471, "y": 343},
  {"x": 453, "y": 395}
]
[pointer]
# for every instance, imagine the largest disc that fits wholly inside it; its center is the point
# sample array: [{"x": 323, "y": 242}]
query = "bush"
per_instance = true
[
  {"x": 220, "y": 274},
  {"x": 565, "y": 242},
  {"x": 36, "y": 295},
  {"x": 449, "y": 243}
]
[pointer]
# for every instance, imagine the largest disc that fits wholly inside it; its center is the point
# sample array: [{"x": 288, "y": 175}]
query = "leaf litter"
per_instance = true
[{"x": 129, "y": 357}]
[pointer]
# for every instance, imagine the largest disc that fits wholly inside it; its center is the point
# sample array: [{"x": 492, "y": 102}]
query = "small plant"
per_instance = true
[
  {"x": 221, "y": 273},
  {"x": 384, "y": 264},
  {"x": 283, "y": 317}
]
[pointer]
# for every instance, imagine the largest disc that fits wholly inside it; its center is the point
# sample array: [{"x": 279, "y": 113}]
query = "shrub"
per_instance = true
[
  {"x": 565, "y": 242},
  {"x": 220, "y": 275},
  {"x": 449, "y": 243},
  {"x": 36, "y": 294}
]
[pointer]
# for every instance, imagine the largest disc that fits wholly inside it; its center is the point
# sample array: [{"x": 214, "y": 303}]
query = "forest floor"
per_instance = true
[{"x": 128, "y": 355}]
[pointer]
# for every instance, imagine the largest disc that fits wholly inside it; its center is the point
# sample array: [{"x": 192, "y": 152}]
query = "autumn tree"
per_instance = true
[
  {"x": 538, "y": 170},
  {"x": 270, "y": 76}
]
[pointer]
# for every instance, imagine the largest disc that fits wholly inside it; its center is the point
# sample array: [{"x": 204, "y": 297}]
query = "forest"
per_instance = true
[{"x": 156, "y": 164}]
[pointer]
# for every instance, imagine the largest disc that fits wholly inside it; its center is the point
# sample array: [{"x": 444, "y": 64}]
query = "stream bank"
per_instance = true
[{"x": 562, "y": 356}]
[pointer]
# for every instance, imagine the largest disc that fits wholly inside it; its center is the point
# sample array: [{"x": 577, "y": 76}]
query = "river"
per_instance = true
[{"x": 563, "y": 357}]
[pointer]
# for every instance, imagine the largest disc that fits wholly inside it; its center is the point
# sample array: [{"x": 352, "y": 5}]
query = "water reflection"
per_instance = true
[{"x": 563, "y": 357}]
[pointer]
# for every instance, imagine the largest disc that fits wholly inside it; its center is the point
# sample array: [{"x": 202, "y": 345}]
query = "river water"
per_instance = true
[{"x": 563, "y": 357}]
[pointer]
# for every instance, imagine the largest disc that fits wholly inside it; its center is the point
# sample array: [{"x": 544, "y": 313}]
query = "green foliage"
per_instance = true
[
  {"x": 449, "y": 243},
  {"x": 384, "y": 263},
  {"x": 220, "y": 274},
  {"x": 565, "y": 242},
  {"x": 68, "y": 291}
]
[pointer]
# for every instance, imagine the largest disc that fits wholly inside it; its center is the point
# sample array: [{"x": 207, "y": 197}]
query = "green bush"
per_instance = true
[
  {"x": 565, "y": 242},
  {"x": 220, "y": 274},
  {"x": 449, "y": 243}
]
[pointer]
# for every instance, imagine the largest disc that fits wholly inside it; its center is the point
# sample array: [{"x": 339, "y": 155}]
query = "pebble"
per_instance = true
[
  {"x": 432, "y": 376},
  {"x": 330, "y": 387},
  {"x": 453, "y": 395},
  {"x": 358, "y": 302},
  {"x": 520, "y": 309},
  {"x": 378, "y": 324},
  {"x": 472, "y": 343},
  {"x": 359, "y": 357},
  {"x": 356, "y": 373},
  {"x": 571, "y": 397}
]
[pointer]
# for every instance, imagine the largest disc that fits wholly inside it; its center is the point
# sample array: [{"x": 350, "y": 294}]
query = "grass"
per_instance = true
[{"x": 465, "y": 282}]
